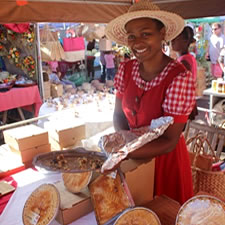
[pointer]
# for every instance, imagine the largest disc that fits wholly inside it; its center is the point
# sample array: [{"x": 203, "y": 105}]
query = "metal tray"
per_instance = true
[{"x": 76, "y": 160}]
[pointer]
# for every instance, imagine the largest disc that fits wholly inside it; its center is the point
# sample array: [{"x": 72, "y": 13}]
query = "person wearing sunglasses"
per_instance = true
[{"x": 216, "y": 43}]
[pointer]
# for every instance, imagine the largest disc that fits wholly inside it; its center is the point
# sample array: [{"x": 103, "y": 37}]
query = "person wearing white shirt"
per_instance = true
[{"x": 216, "y": 43}]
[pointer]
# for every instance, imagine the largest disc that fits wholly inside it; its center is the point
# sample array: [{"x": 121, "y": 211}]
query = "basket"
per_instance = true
[{"x": 203, "y": 179}]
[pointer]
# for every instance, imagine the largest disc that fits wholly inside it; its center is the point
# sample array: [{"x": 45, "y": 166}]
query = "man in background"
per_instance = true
[{"x": 216, "y": 43}]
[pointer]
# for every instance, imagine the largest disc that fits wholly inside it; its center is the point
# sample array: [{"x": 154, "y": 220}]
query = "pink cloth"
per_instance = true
[
  {"x": 216, "y": 70},
  {"x": 109, "y": 61},
  {"x": 20, "y": 97},
  {"x": 192, "y": 62}
]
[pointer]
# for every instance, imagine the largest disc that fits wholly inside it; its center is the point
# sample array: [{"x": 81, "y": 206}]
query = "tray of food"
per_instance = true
[
  {"x": 201, "y": 210},
  {"x": 76, "y": 160},
  {"x": 110, "y": 196},
  {"x": 42, "y": 205},
  {"x": 140, "y": 215}
]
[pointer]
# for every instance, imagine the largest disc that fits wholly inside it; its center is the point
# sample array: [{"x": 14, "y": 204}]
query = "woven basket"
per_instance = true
[{"x": 203, "y": 180}]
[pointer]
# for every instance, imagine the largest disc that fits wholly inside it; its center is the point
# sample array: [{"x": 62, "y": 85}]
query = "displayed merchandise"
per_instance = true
[
  {"x": 109, "y": 197},
  {"x": 140, "y": 215},
  {"x": 201, "y": 210},
  {"x": 133, "y": 142},
  {"x": 73, "y": 44},
  {"x": 70, "y": 161},
  {"x": 76, "y": 182},
  {"x": 42, "y": 205}
]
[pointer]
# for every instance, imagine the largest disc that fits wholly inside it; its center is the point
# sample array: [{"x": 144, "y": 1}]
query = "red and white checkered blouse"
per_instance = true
[{"x": 180, "y": 95}]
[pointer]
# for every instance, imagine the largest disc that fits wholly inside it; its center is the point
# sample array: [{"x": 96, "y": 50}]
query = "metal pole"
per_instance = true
[{"x": 39, "y": 61}]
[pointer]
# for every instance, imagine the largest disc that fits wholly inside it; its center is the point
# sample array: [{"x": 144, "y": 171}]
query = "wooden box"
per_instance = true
[
  {"x": 26, "y": 137},
  {"x": 72, "y": 206},
  {"x": 65, "y": 134},
  {"x": 165, "y": 208},
  {"x": 56, "y": 90}
]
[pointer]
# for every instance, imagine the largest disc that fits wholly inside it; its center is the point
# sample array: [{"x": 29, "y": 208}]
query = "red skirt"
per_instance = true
[{"x": 173, "y": 174}]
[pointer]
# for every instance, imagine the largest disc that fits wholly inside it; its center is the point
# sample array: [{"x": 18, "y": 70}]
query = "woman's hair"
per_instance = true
[
  {"x": 188, "y": 34},
  {"x": 159, "y": 24}
]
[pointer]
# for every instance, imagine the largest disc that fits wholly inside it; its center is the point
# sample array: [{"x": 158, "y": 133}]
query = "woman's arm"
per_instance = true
[
  {"x": 119, "y": 119},
  {"x": 162, "y": 145}
]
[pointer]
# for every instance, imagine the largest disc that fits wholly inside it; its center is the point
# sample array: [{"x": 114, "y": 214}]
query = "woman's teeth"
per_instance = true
[{"x": 140, "y": 50}]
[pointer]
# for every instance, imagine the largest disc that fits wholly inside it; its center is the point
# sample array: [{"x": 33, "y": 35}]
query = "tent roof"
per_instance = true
[{"x": 98, "y": 11}]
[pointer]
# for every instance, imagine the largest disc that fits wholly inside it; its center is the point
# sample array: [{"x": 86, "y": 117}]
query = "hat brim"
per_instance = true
[{"x": 174, "y": 24}]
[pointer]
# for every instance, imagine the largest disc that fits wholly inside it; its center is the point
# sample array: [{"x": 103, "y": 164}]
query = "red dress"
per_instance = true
[{"x": 170, "y": 93}]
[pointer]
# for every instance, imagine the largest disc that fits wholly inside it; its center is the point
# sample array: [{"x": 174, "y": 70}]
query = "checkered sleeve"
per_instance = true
[
  {"x": 119, "y": 79},
  {"x": 180, "y": 95}
]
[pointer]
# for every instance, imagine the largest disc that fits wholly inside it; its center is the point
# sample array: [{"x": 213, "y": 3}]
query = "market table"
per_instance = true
[
  {"x": 21, "y": 97},
  {"x": 29, "y": 179},
  {"x": 214, "y": 97}
]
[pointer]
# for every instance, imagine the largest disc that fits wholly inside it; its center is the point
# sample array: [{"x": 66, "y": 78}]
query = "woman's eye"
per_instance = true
[
  {"x": 146, "y": 34},
  {"x": 130, "y": 37}
]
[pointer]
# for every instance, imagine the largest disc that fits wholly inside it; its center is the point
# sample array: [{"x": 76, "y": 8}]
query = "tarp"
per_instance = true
[{"x": 97, "y": 11}]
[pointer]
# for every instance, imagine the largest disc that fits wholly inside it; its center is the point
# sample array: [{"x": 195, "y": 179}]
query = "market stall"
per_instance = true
[{"x": 130, "y": 191}]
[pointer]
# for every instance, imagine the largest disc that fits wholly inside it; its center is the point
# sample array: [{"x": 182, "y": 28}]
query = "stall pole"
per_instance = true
[{"x": 39, "y": 62}]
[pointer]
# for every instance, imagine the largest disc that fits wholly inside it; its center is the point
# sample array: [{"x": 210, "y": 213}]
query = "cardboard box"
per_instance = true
[
  {"x": 55, "y": 145},
  {"x": 65, "y": 134},
  {"x": 139, "y": 176},
  {"x": 72, "y": 206},
  {"x": 56, "y": 90},
  {"x": 26, "y": 137},
  {"x": 27, "y": 155},
  {"x": 47, "y": 90}
]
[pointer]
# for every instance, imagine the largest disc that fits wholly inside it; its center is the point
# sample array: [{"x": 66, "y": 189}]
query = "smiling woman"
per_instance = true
[{"x": 151, "y": 86}]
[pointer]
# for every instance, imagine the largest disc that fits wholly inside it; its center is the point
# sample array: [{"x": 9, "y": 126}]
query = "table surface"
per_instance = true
[
  {"x": 20, "y": 97},
  {"x": 28, "y": 180},
  {"x": 210, "y": 91}
]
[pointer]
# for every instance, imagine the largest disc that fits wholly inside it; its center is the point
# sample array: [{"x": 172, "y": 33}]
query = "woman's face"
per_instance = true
[
  {"x": 144, "y": 38},
  {"x": 178, "y": 43}
]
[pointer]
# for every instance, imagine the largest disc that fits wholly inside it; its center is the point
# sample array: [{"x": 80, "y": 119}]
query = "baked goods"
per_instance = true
[
  {"x": 138, "y": 216},
  {"x": 75, "y": 182},
  {"x": 108, "y": 197},
  {"x": 202, "y": 210},
  {"x": 42, "y": 205},
  {"x": 70, "y": 161}
]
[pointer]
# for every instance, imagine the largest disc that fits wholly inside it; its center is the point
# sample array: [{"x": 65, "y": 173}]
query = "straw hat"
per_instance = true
[{"x": 174, "y": 24}]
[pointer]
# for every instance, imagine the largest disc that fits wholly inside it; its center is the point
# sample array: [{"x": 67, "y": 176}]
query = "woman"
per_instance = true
[
  {"x": 151, "y": 86},
  {"x": 181, "y": 45}
]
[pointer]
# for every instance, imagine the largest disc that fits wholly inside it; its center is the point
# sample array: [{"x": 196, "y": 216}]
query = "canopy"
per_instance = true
[{"x": 97, "y": 11}]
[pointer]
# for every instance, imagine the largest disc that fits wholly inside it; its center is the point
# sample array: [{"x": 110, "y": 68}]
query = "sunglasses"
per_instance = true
[{"x": 215, "y": 28}]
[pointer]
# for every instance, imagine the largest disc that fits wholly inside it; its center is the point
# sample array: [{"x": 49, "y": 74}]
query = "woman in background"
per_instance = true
[{"x": 181, "y": 45}]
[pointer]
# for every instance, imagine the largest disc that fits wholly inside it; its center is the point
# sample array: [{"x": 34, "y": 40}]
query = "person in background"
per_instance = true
[
  {"x": 103, "y": 66},
  {"x": 216, "y": 43},
  {"x": 91, "y": 60},
  {"x": 110, "y": 65},
  {"x": 181, "y": 45},
  {"x": 222, "y": 61},
  {"x": 151, "y": 86}
]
